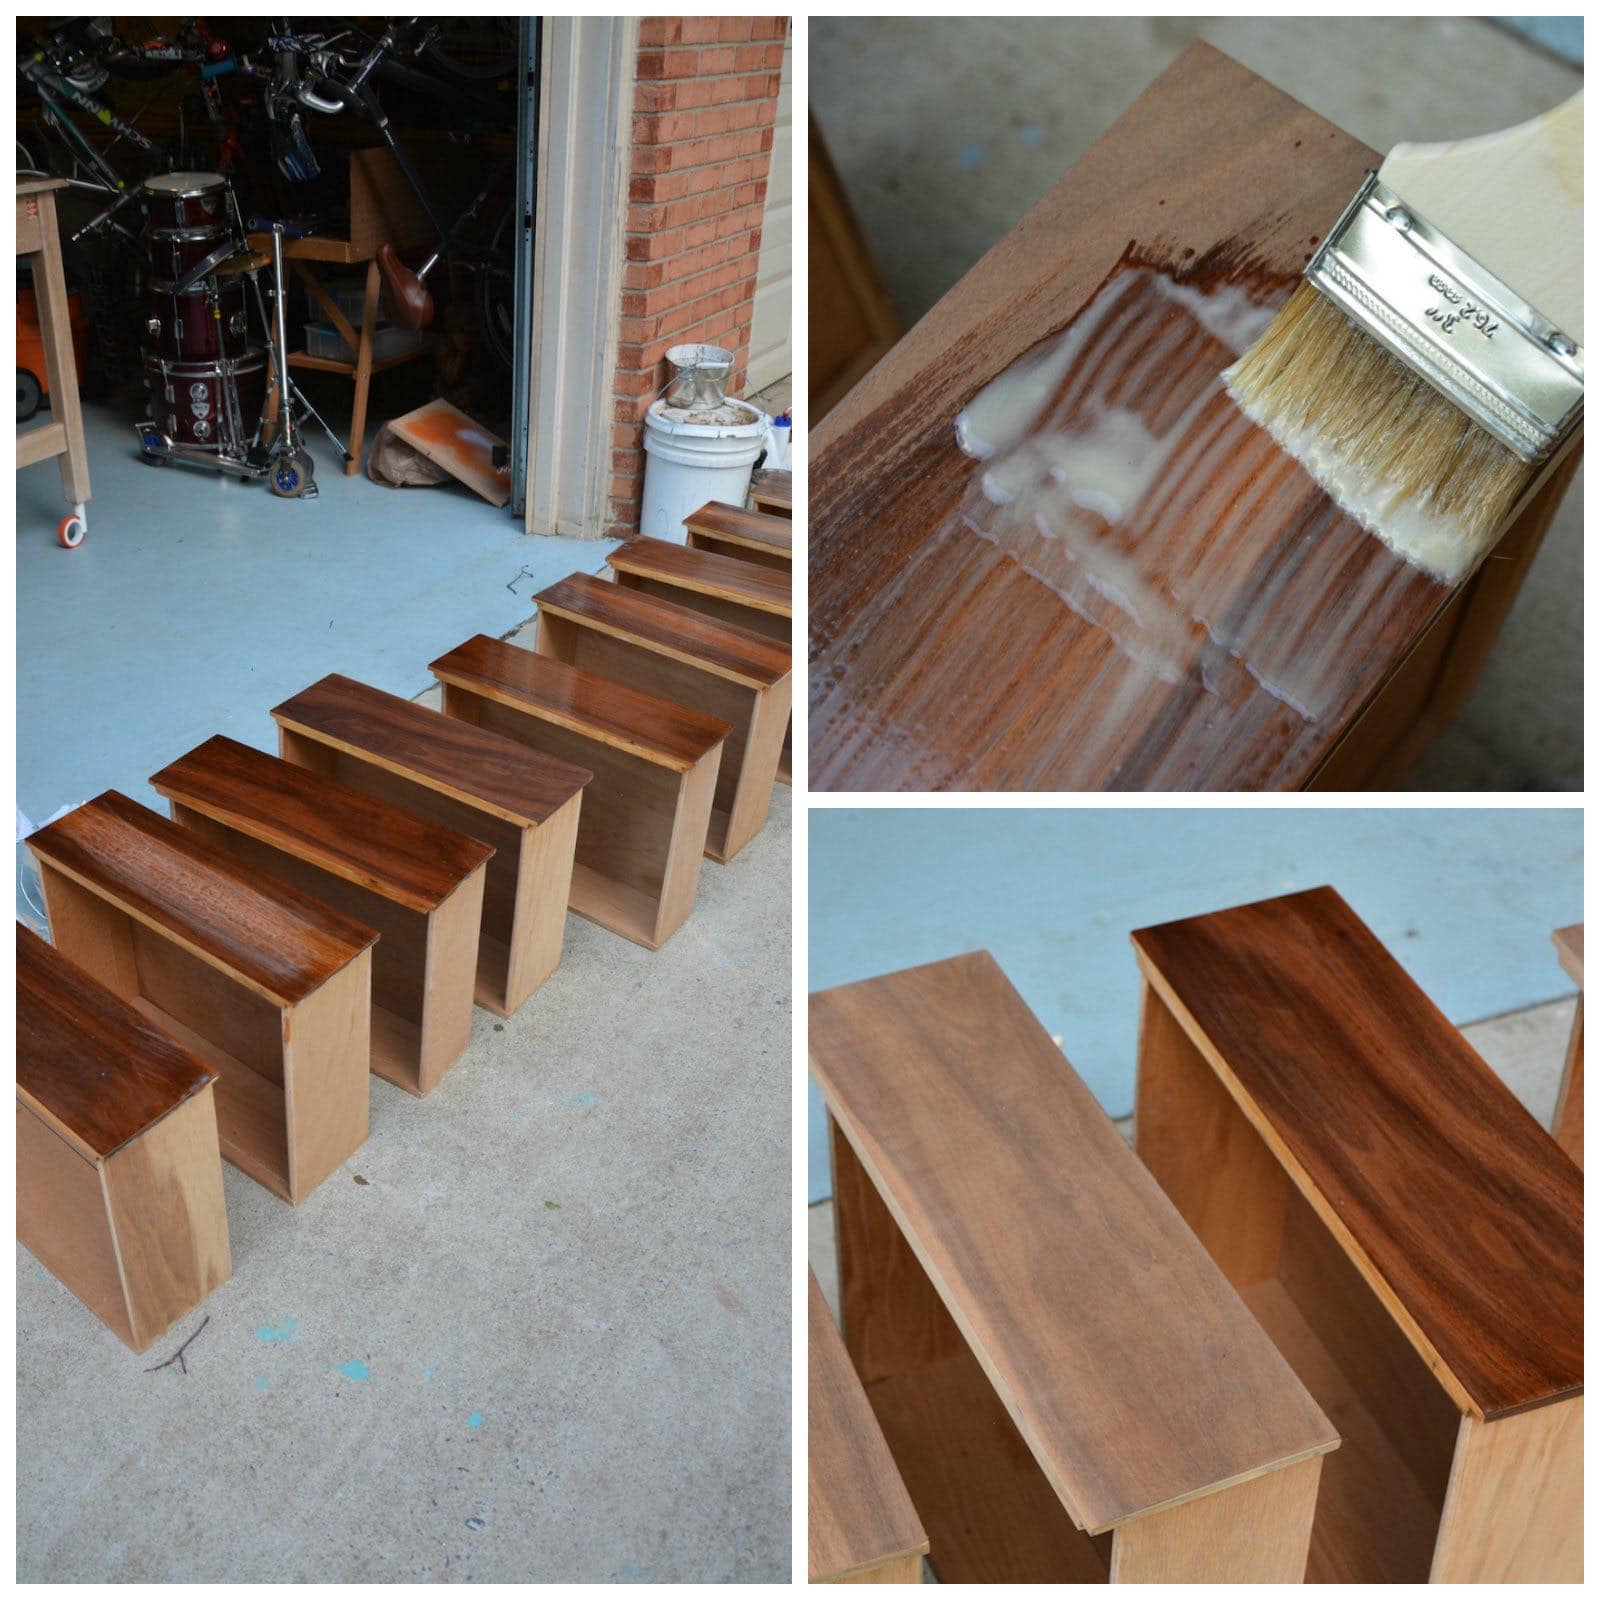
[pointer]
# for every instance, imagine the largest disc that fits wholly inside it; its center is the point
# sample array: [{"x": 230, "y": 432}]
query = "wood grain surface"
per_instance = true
[
  {"x": 1569, "y": 949},
  {"x": 394, "y": 852},
  {"x": 656, "y": 730},
  {"x": 87, "y": 1062},
  {"x": 1135, "y": 589},
  {"x": 521, "y": 785},
  {"x": 670, "y": 630},
  {"x": 267, "y": 935},
  {"x": 773, "y": 493},
  {"x": 860, "y": 1515},
  {"x": 735, "y": 525},
  {"x": 1096, "y": 1315},
  {"x": 1567, "y": 1123},
  {"x": 723, "y": 577},
  {"x": 1462, "y": 1213}
]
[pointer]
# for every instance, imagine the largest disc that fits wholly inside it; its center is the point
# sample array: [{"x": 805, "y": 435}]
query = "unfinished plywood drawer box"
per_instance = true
[
  {"x": 1406, "y": 1232},
  {"x": 119, "y": 1180},
  {"x": 267, "y": 985},
  {"x": 1067, "y": 1381},
  {"x": 417, "y": 882},
  {"x": 861, "y": 1525},
  {"x": 752, "y": 536},
  {"x": 716, "y": 668},
  {"x": 642, "y": 831},
  {"x": 524, "y": 804},
  {"x": 719, "y": 586}
]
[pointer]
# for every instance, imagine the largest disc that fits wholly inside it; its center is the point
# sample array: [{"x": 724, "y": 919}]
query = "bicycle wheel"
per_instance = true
[{"x": 494, "y": 289}]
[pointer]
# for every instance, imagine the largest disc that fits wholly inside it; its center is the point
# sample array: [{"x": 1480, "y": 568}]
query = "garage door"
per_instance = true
[{"x": 770, "y": 321}]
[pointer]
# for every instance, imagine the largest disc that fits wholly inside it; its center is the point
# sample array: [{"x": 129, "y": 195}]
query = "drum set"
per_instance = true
[{"x": 219, "y": 397}]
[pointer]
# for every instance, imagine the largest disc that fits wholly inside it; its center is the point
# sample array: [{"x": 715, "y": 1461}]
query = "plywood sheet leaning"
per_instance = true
[
  {"x": 465, "y": 449},
  {"x": 1048, "y": 552}
]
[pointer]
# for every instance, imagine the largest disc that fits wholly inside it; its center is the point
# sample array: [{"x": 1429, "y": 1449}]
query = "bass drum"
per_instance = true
[
  {"x": 208, "y": 405},
  {"x": 205, "y": 324},
  {"x": 177, "y": 201}
]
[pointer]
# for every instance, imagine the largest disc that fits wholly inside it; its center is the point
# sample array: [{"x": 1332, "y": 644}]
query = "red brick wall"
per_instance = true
[{"x": 705, "y": 97}]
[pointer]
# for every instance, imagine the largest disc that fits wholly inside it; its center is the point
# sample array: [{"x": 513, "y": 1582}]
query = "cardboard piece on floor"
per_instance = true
[{"x": 464, "y": 448}]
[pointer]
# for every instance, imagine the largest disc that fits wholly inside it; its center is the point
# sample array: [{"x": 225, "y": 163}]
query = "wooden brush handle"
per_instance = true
[{"x": 1513, "y": 201}]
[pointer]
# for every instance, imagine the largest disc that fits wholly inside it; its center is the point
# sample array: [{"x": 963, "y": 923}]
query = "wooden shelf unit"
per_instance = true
[
  {"x": 642, "y": 832},
  {"x": 723, "y": 671},
  {"x": 1407, "y": 1234},
  {"x": 1069, "y": 1385},
  {"x": 269, "y": 987},
  {"x": 752, "y": 536},
  {"x": 418, "y": 883},
  {"x": 119, "y": 1179},
  {"x": 1567, "y": 1125},
  {"x": 862, "y": 1527},
  {"x": 523, "y": 804}
]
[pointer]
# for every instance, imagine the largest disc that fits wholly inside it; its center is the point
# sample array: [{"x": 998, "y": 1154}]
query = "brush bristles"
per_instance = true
[{"x": 1387, "y": 447}]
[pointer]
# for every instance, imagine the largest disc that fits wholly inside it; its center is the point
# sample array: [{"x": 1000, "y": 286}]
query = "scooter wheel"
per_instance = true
[
  {"x": 70, "y": 531},
  {"x": 291, "y": 477}
]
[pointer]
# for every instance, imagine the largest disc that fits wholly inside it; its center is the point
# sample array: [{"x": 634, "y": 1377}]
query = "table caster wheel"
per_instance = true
[{"x": 70, "y": 531}]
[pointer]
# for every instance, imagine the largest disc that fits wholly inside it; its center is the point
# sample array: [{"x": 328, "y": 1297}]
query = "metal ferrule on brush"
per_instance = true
[{"x": 1454, "y": 324}]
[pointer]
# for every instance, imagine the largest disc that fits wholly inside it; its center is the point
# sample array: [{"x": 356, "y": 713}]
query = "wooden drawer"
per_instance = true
[
  {"x": 715, "y": 668},
  {"x": 418, "y": 883},
  {"x": 1069, "y": 1385},
  {"x": 269, "y": 987},
  {"x": 1407, "y": 1234},
  {"x": 119, "y": 1180},
  {"x": 523, "y": 804}
]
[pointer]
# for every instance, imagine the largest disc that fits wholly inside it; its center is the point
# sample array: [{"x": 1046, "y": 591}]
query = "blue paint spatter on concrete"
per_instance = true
[
  {"x": 475, "y": 1420},
  {"x": 261, "y": 1385},
  {"x": 283, "y": 1334},
  {"x": 354, "y": 1370},
  {"x": 971, "y": 156},
  {"x": 1030, "y": 135},
  {"x": 585, "y": 1098},
  {"x": 474, "y": 1523},
  {"x": 632, "y": 1572}
]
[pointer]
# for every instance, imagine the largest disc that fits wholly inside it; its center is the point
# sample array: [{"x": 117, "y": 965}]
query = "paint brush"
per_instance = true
[{"x": 1429, "y": 365}]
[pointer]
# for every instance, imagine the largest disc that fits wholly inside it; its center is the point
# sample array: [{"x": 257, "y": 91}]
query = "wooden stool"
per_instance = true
[
  {"x": 522, "y": 803},
  {"x": 39, "y": 240},
  {"x": 1068, "y": 1383},
  {"x": 752, "y": 536},
  {"x": 1568, "y": 1123},
  {"x": 773, "y": 493},
  {"x": 1406, "y": 1232},
  {"x": 862, "y": 1526},
  {"x": 646, "y": 810},
  {"x": 119, "y": 1184},
  {"x": 724, "y": 671},
  {"x": 419, "y": 884},
  {"x": 265, "y": 984}
]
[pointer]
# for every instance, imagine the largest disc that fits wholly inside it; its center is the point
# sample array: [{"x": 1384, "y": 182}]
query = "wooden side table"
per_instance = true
[
  {"x": 1070, "y": 1386},
  {"x": 1405, "y": 1231},
  {"x": 39, "y": 243},
  {"x": 862, "y": 1527},
  {"x": 1568, "y": 1124}
]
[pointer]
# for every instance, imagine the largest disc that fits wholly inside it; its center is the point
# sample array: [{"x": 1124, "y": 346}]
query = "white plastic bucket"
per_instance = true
[{"x": 688, "y": 463}]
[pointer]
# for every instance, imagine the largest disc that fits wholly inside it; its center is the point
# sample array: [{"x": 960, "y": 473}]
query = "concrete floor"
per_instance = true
[
  {"x": 537, "y": 1329},
  {"x": 945, "y": 131},
  {"x": 1527, "y": 1048}
]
